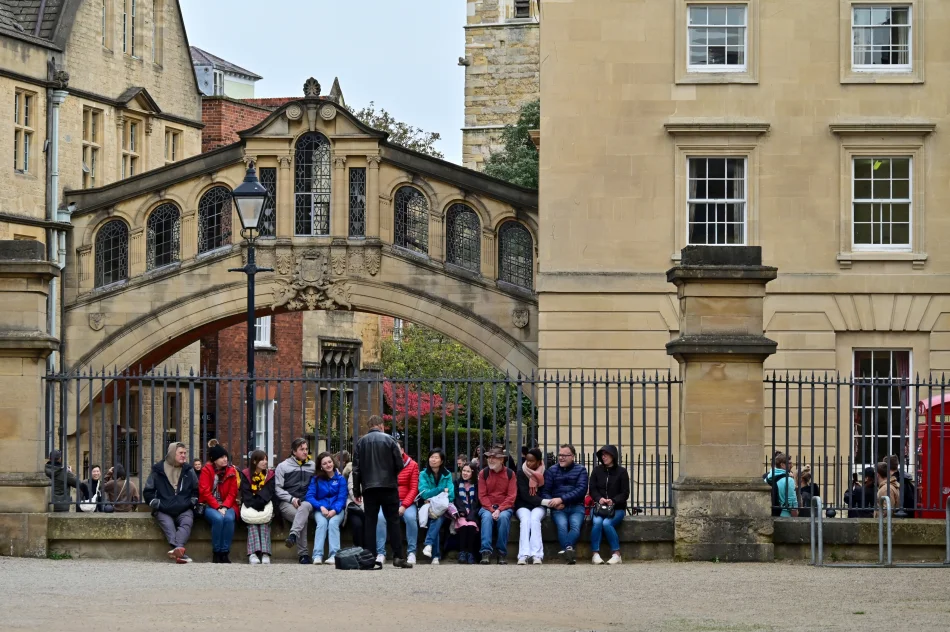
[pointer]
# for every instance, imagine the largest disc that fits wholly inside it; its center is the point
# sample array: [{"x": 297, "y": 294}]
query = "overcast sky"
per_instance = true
[{"x": 402, "y": 54}]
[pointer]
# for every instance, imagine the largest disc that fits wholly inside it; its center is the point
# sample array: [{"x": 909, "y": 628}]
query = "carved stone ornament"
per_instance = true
[
  {"x": 285, "y": 262},
  {"x": 356, "y": 263},
  {"x": 338, "y": 262},
  {"x": 311, "y": 88},
  {"x": 310, "y": 288},
  {"x": 97, "y": 321},
  {"x": 328, "y": 112},
  {"x": 294, "y": 112},
  {"x": 373, "y": 258},
  {"x": 520, "y": 317}
]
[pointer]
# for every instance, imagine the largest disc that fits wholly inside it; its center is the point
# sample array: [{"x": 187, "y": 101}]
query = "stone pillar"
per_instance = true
[
  {"x": 285, "y": 198},
  {"x": 339, "y": 215},
  {"x": 372, "y": 197},
  {"x": 25, "y": 276},
  {"x": 722, "y": 506}
]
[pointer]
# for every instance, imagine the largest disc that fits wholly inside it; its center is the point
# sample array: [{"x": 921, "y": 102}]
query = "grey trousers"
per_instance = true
[
  {"x": 177, "y": 529},
  {"x": 300, "y": 517}
]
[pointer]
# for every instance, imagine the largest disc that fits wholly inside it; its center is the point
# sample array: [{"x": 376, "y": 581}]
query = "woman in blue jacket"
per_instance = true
[
  {"x": 434, "y": 480},
  {"x": 327, "y": 494}
]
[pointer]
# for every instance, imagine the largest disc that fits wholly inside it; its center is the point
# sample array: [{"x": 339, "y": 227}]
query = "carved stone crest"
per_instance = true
[
  {"x": 97, "y": 321},
  {"x": 294, "y": 112},
  {"x": 356, "y": 263},
  {"x": 520, "y": 317},
  {"x": 310, "y": 288},
  {"x": 372, "y": 258},
  {"x": 311, "y": 88},
  {"x": 328, "y": 112},
  {"x": 338, "y": 261}
]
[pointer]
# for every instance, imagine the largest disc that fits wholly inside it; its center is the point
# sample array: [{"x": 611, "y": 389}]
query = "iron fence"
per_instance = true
[
  {"x": 838, "y": 428},
  {"x": 132, "y": 417}
]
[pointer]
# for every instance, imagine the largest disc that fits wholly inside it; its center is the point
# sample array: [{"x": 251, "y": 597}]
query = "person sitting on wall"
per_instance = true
[
  {"x": 565, "y": 487},
  {"x": 257, "y": 495},
  {"x": 291, "y": 478},
  {"x": 466, "y": 520},
  {"x": 327, "y": 493},
  {"x": 61, "y": 481},
  {"x": 120, "y": 492},
  {"x": 887, "y": 486},
  {"x": 497, "y": 491},
  {"x": 609, "y": 487},
  {"x": 433, "y": 480},
  {"x": 218, "y": 492},
  {"x": 528, "y": 508},
  {"x": 172, "y": 492}
]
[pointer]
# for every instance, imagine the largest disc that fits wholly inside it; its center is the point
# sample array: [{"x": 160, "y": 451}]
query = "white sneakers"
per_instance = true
[
  {"x": 265, "y": 559},
  {"x": 331, "y": 560},
  {"x": 435, "y": 561},
  {"x": 317, "y": 561},
  {"x": 597, "y": 559},
  {"x": 427, "y": 550},
  {"x": 615, "y": 559},
  {"x": 380, "y": 559},
  {"x": 538, "y": 561},
  {"x": 411, "y": 559},
  {"x": 522, "y": 561},
  {"x": 252, "y": 559}
]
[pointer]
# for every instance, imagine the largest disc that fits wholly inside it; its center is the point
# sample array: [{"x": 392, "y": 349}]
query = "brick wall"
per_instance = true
[{"x": 224, "y": 118}]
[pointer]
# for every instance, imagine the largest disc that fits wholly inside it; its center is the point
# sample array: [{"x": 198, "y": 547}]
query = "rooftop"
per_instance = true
[{"x": 201, "y": 57}]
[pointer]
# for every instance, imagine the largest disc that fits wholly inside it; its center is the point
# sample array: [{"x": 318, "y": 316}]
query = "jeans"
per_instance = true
[
  {"x": 387, "y": 500},
  {"x": 411, "y": 518},
  {"x": 568, "y": 522},
  {"x": 608, "y": 527},
  {"x": 177, "y": 529},
  {"x": 320, "y": 537},
  {"x": 222, "y": 529},
  {"x": 432, "y": 535},
  {"x": 530, "y": 544},
  {"x": 487, "y": 523}
]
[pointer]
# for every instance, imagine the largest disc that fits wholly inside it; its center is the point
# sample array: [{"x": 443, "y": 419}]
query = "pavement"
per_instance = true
[{"x": 95, "y": 595}]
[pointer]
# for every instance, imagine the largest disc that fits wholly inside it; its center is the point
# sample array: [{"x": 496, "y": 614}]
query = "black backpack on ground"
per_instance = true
[
  {"x": 776, "y": 508},
  {"x": 355, "y": 559}
]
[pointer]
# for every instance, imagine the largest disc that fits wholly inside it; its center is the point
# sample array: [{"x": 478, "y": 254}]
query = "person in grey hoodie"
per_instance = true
[{"x": 291, "y": 479}]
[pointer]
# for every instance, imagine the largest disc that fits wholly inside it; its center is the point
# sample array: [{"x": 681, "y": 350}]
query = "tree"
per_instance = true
[
  {"x": 518, "y": 161},
  {"x": 400, "y": 133}
]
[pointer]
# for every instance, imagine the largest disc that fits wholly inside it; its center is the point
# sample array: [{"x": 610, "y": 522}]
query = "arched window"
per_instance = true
[
  {"x": 112, "y": 253},
  {"x": 162, "y": 236},
  {"x": 411, "y": 220},
  {"x": 515, "y": 255},
  {"x": 463, "y": 237},
  {"x": 214, "y": 219},
  {"x": 312, "y": 185}
]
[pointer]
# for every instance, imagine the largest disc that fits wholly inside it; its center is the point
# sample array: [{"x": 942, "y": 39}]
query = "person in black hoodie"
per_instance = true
[
  {"x": 610, "y": 487},
  {"x": 172, "y": 493}
]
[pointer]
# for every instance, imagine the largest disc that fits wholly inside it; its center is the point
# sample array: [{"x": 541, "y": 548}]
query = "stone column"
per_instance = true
[
  {"x": 285, "y": 198},
  {"x": 339, "y": 217},
  {"x": 24, "y": 344},
  {"x": 722, "y": 506},
  {"x": 372, "y": 197}
]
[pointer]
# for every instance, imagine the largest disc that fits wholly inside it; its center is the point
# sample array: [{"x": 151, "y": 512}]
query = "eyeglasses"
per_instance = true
[{"x": 564, "y": 456}]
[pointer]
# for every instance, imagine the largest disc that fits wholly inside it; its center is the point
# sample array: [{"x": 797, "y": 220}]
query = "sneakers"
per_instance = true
[
  {"x": 331, "y": 560},
  {"x": 561, "y": 552},
  {"x": 570, "y": 555},
  {"x": 502, "y": 561},
  {"x": 597, "y": 559},
  {"x": 265, "y": 559},
  {"x": 252, "y": 559},
  {"x": 615, "y": 559},
  {"x": 291, "y": 541},
  {"x": 522, "y": 560},
  {"x": 427, "y": 550},
  {"x": 317, "y": 561},
  {"x": 411, "y": 559},
  {"x": 177, "y": 553},
  {"x": 463, "y": 558},
  {"x": 538, "y": 561},
  {"x": 184, "y": 559},
  {"x": 380, "y": 559},
  {"x": 172, "y": 555},
  {"x": 435, "y": 561},
  {"x": 398, "y": 562},
  {"x": 486, "y": 557},
  {"x": 225, "y": 557},
  {"x": 305, "y": 559}
]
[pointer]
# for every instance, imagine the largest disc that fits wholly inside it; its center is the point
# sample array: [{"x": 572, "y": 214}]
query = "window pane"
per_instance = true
[
  {"x": 862, "y": 168},
  {"x": 697, "y": 167},
  {"x": 697, "y": 37},
  {"x": 697, "y": 15},
  {"x": 697, "y": 55},
  {"x": 900, "y": 15},
  {"x": 901, "y": 189},
  {"x": 862, "y": 17},
  {"x": 717, "y": 37},
  {"x": 900, "y": 234},
  {"x": 901, "y": 167},
  {"x": 882, "y": 189},
  {"x": 717, "y": 15},
  {"x": 862, "y": 234},
  {"x": 862, "y": 189},
  {"x": 736, "y": 16},
  {"x": 900, "y": 212}
]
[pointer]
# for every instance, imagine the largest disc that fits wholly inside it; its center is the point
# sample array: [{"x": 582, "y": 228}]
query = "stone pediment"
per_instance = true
[{"x": 138, "y": 98}]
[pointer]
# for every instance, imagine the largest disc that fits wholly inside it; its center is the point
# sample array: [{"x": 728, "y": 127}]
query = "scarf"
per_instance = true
[
  {"x": 258, "y": 480},
  {"x": 218, "y": 477},
  {"x": 302, "y": 463},
  {"x": 172, "y": 469},
  {"x": 535, "y": 477},
  {"x": 467, "y": 493}
]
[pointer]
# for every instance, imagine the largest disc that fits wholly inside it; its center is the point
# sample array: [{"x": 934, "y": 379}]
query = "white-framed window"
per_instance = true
[
  {"x": 264, "y": 427},
  {"x": 717, "y": 38},
  {"x": 218, "y": 82},
  {"x": 397, "y": 329},
  {"x": 881, "y": 404},
  {"x": 130, "y": 147},
  {"x": 91, "y": 146},
  {"x": 882, "y": 203},
  {"x": 262, "y": 332},
  {"x": 716, "y": 201},
  {"x": 172, "y": 145},
  {"x": 881, "y": 38},
  {"x": 24, "y": 115}
]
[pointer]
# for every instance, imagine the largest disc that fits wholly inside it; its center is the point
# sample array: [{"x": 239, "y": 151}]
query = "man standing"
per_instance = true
[
  {"x": 497, "y": 491},
  {"x": 377, "y": 462},
  {"x": 172, "y": 492},
  {"x": 291, "y": 479},
  {"x": 565, "y": 486}
]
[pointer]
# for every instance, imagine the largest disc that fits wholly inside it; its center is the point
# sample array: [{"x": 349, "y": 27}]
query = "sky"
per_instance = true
[{"x": 402, "y": 54}]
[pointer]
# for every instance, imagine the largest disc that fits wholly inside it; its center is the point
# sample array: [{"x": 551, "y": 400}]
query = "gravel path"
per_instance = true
[{"x": 80, "y": 596}]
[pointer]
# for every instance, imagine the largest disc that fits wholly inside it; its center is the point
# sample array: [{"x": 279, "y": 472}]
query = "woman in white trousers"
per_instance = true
[{"x": 529, "y": 509}]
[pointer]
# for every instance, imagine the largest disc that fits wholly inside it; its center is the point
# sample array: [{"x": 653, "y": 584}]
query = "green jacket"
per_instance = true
[{"x": 428, "y": 488}]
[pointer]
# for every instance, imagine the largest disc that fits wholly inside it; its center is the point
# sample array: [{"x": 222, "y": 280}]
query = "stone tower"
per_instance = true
[{"x": 502, "y": 71}]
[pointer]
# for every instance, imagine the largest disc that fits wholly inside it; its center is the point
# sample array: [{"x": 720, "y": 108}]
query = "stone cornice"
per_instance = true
[
  {"x": 914, "y": 128},
  {"x": 709, "y": 127}
]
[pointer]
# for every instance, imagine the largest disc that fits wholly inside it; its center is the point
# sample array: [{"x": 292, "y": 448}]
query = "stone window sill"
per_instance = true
[{"x": 917, "y": 259}]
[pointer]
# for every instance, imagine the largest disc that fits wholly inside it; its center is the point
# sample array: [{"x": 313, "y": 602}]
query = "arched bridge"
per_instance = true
[{"x": 352, "y": 222}]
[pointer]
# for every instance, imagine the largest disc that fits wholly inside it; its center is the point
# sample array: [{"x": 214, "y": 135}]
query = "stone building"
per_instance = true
[
  {"x": 502, "y": 71},
  {"x": 219, "y": 77}
]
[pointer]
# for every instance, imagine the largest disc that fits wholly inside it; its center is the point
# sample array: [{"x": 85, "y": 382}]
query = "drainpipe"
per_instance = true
[{"x": 56, "y": 238}]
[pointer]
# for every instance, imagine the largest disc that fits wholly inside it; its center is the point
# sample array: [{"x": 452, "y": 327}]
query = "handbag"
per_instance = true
[
  {"x": 252, "y": 516},
  {"x": 438, "y": 505},
  {"x": 605, "y": 511},
  {"x": 90, "y": 505}
]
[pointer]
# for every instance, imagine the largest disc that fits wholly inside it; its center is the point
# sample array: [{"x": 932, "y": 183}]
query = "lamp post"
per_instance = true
[{"x": 249, "y": 199}]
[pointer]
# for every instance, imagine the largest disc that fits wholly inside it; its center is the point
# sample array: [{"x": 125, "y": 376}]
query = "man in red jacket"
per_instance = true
[
  {"x": 408, "y": 481},
  {"x": 497, "y": 490}
]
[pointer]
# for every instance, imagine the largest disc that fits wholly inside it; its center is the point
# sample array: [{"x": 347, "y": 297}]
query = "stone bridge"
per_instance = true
[{"x": 352, "y": 222}]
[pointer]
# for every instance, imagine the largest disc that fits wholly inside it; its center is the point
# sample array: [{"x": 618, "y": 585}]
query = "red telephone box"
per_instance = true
[{"x": 933, "y": 456}]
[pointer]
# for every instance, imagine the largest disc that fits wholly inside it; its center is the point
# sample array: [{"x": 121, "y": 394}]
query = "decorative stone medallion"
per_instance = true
[
  {"x": 520, "y": 317},
  {"x": 294, "y": 112},
  {"x": 328, "y": 112},
  {"x": 97, "y": 321}
]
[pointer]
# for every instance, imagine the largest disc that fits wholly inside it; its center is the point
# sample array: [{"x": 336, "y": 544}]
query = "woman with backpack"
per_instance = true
[
  {"x": 433, "y": 480},
  {"x": 467, "y": 505},
  {"x": 609, "y": 489},
  {"x": 257, "y": 507},
  {"x": 529, "y": 509},
  {"x": 327, "y": 495},
  {"x": 218, "y": 492}
]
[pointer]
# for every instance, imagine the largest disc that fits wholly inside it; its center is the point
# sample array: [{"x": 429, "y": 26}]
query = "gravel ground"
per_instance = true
[{"x": 85, "y": 595}]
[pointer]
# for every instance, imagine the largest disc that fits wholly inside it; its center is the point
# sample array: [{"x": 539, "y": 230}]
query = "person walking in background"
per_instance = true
[
  {"x": 467, "y": 506},
  {"x": 609, "y": 487},
  {"x": 257, "y": 500},
  {"x": 434, "y": 480},
  {"x": 172, "y": 493},
  {"x": 377, "y": 462},
  {"x": 408, "y": 485},
  {"x": 497, "y": 492},
  {"x": 218, "y": 491},
  {"x": 291, "y": 480},
  {"x": 119, "y": 491},
  {"x": 528, "y": 508},
  {"x": 565, "y": 487},
  {"x": 327, "y": 495}
]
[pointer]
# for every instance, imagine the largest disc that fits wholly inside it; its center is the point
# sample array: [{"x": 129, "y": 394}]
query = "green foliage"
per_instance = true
[
  {"x": 518, "y": 161},
  {"x": 56, "y": 555},
  {"x": 400, "y": 133},
  {"x": 426, "y": 354}
]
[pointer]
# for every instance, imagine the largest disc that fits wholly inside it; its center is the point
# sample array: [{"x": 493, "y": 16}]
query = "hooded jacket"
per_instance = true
[
  {"x": 227, "y": 488},
  {"x": 263, "y": 496},
  {"x": 787, "y": 491},
  {"x": 610, "y": 482},
  {"x": 567, "y": 483},
  {"x": 291, "y": 479},
  {"x": 327, "y": 494},
  {"x": 172, "y": 500},
  {"x": 377, "y": 462}
]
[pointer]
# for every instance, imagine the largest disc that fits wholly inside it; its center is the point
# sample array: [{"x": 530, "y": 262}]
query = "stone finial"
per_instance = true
[{"x": 311, "y": 88}]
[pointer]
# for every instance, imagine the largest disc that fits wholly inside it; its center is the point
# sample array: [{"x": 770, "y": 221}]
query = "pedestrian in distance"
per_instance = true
[
  {"x": 218, "y": 487},
  {"x": 327, "y": 495},
  {"x": 172, "y": 493},
  {"x": 258, "y": 494},
  {"x": 528, "y": 507},
  {"x": 609, "y": 489},
  {"x": 291, "y": 480}
]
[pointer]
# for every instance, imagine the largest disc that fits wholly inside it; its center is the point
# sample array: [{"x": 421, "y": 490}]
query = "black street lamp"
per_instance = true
[{"x": 249, "y": 199}]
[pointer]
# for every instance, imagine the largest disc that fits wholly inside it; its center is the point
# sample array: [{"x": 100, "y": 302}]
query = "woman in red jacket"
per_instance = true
[
  {"x": 408, "y": 481},
  {"x": 218, "y": 492}
]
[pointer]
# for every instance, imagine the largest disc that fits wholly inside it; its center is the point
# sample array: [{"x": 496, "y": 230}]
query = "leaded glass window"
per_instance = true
[
  {"x": 214, "y": 219},
  {"x": 112, "y": 253},
  {"x": 312, "y": 185},
  {"x": 411, "y": 220},
  {"x": 516, "y": 255},
  {"x": 162, "y": 236},
  {"x": 268, "y": 223},
  {"x": 463, "y": 237},
  {"x": 357, "y": 202}
]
